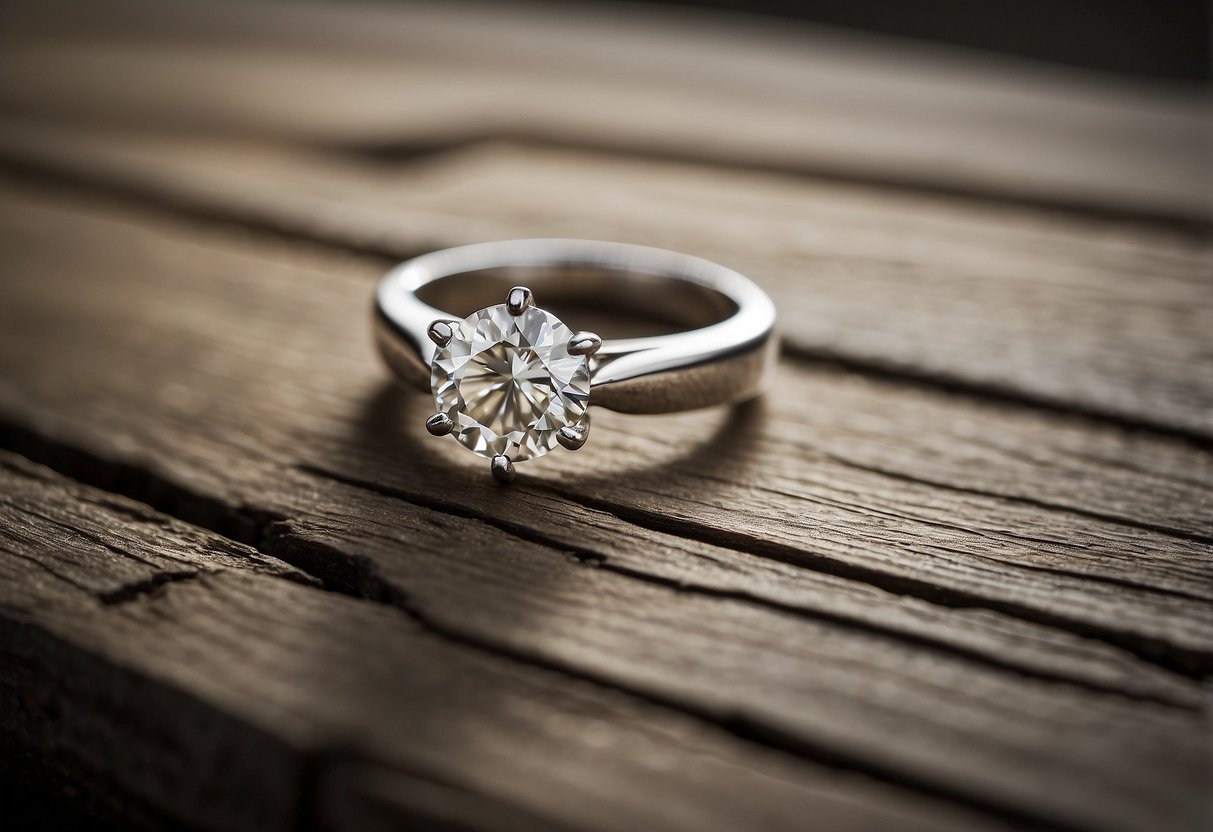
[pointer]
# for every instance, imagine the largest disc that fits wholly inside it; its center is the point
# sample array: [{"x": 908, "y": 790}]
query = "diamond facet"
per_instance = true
[{"x": 509, "y": 383}]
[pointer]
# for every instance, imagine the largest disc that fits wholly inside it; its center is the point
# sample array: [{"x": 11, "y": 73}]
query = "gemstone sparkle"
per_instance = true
[{"x": 509, "y": 383}]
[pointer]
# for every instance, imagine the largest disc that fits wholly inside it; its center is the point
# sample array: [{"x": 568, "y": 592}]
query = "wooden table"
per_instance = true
[{"x": 954, "y": 572}]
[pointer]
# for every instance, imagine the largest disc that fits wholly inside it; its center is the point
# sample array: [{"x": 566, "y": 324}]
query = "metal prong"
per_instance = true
[
  {"x": 584, "y": 343},
  {"x": 439, "y": 424},
  {"x": 518, "y": 300},
  {"x": 441, "y": 332},
  {"x": 502, "y": 468},
  {"x": 573, "y": 437}
]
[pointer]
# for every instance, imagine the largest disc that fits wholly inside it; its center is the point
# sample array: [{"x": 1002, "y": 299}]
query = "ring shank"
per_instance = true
[{"x": 727, "y": 357}]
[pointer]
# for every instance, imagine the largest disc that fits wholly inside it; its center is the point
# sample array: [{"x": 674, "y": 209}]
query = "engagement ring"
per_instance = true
[{"x": 511, "y": 380}]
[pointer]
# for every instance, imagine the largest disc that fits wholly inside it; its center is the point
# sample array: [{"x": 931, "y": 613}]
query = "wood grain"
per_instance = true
[
  {"x": 724, "y": 89},
  {"x": 173, "y": 665},
  {"x": 954, "y": 572},
  {"x": 878, "y": 580},
  {"x": 1083, "y": 315}
]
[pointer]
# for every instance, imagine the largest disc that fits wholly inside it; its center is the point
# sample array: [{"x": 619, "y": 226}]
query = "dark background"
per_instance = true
[{"x": 1164, "y": 39}]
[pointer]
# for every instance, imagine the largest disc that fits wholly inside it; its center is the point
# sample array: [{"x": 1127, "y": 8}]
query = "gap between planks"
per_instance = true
[
  {"x": 794, "y": 94},
  {"x": 269, "y": 532},
  {"x": 418, "y": 152},
  {"x": 749, "y": 727},
  {"x": 57, "y": 173},
  {"x": 320, "y": 759},
  {"x": 1146, "y": 649},
  {"x": 273, "y": 538},
  {"x": 598, "y": 560}
]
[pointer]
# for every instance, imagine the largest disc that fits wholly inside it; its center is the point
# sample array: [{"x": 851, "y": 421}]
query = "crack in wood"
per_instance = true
[
  {"x": 1111, "y": 580},
  {"x": 260, "y": 529},
  {"x": 315, "y": 762},
  {"x": 1108, "y": 580},
  {"x": 366, "y": 584},
  {"x": 358, "y": 577},
  {"x": 241, "y": 525},
  {"x": 599, "y": 560},
  {"x": 833, "y": 659},
  {"x": 986, "y": 391},
  {"x": 706, "y": 156},
  {"x": 1034, "y": 502},
  {"x": 147, "y": 586},
  {"x": 132, "y": 192},
  {"x": 1195, "y": 664}
]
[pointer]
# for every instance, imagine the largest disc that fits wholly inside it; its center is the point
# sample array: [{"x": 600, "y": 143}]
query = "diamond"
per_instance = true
[{"x": 509, "y": 383}]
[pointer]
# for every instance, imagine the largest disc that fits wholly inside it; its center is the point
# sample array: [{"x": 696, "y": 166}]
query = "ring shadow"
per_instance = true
[
  {"x": 390, "y": 422},
  {"x": 388, "y": 449}
]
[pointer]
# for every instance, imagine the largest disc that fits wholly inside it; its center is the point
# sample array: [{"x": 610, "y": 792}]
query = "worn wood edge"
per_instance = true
[
  {"x": 333, "y": 562},
  {"x": 65, "y": 545},
  {"x": 606, "y": 540},
  {"x": 65, "y": 666},
  {"x": 381, "y": 413},
  {"x": 1129, "y": 483},
  {"x": 944, "y": 386},
  {"x": 345, "y": 205},
  {"x": 294, "y": 542},
  {"x": 1097, "y": 145}
]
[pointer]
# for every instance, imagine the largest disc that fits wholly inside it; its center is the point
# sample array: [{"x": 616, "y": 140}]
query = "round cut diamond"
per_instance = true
[{"x": 509, "y": 383}]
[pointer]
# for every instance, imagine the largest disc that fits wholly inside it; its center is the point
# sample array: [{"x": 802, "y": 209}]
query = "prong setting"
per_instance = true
[
  {"x": 519, "y": 300},
  {"x": 573, "y": 436},
  {"x": 439, "y": 424},
  {"x": 584, "y": 343},
  {"x": 494, "y": 372},
  {"x": 502, "y": 468},
  {"x": 441, "y": 332}
]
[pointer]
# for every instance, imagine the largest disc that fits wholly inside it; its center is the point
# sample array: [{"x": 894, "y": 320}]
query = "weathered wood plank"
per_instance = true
[
  {"x": 911, "y": 434},
  {"x": 1102, "y": 317},
  {"x": 177, "y": 669},
  {"x": 725, "y": 89},
  {"x": 761, "y": 592},
  {"x": 240, "y": 372}
]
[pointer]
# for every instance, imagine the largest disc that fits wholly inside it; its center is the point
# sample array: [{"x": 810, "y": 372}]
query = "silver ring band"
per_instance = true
[{"x": 725, "y": 361}]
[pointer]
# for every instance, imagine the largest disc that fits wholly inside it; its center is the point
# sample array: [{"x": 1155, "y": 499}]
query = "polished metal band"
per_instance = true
[{"x": 727, "y": 358}]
